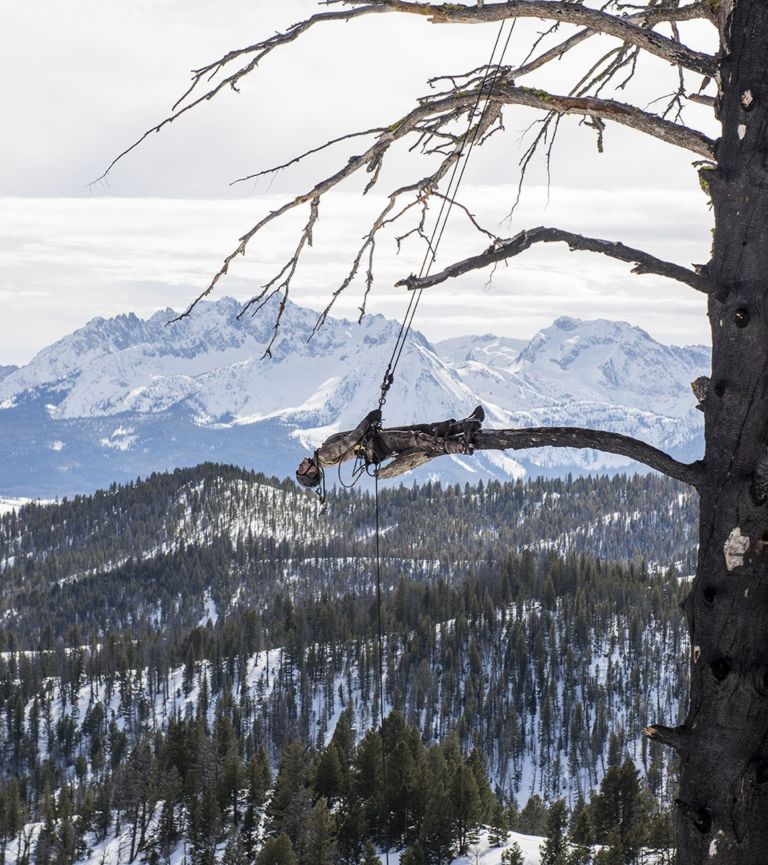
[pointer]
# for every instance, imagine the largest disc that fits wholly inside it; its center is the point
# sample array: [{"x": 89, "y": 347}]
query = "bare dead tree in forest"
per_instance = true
[{"x": 723, "y": 741}]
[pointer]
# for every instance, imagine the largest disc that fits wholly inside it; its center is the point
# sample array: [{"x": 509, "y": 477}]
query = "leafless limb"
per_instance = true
[
  {"x": 601, "y": 440},
  {"x": 597, "y": 20},
  {"x": 644, "y": 262},
  {"x": 450, "y": 108},
  {"x": 702, "y": 99},
  {"x": 629, "y": 29},
  {"x": 470, "y": 216},
  {"x": 649, "y": 17},
  {"x": 609, "y": 109},
  {"x": 296, "y": 159},
  {"x": 279, "y": 284}
]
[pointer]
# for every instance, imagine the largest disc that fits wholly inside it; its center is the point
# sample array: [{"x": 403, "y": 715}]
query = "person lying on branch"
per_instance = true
[{"x": 411, "y": 446}]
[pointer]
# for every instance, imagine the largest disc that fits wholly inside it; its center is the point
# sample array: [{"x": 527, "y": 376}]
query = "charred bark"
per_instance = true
[{"x": 724, "y": 773}]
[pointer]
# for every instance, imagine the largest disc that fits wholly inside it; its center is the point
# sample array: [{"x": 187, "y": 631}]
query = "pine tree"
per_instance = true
[
  {"x": 329, "y": 776},
  {"x": 620, "y": 811},
  {"x": 498, "y": 829},
  {"x": 234, "y": 852},
  {"x": 513, "y": 855},
  {"x": 277, "y": 851},
  {"x": 370, "y": 856},
  {"x": 320, "y": 847},
  {"x": 580, "y": 829},
  {"x": 466, "y": 806},
  {"x": 533, "y": 818},
  {"x": 438, "y": 828},
  {"x": 554, "y": 850},
  {"x": 290, "y": 805},
  {"x": 414, "y": 856}
]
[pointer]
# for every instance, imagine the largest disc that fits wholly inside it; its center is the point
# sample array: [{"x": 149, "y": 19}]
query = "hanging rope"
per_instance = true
[
  {"x": 381, "y": 652},
  {"x": 457, "y": 175},
  {"x": 493, "y": 70}
]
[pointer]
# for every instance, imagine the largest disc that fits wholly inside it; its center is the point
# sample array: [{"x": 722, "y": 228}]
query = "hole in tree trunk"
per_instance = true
[
  {"x": 720, "y": 668},
  {"x": 720, "y": 388},
  {"x": 741, "y": 317},
  {"x": 709, "y": 594}
]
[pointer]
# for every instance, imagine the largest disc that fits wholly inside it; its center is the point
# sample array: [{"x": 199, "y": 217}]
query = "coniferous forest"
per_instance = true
[{"x": 189, "y": 670}]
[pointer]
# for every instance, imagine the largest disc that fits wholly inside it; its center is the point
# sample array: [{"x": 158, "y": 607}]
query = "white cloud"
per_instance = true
[
  {"x": 66, "y": 260},
  {"x": 113, "y": 69}
]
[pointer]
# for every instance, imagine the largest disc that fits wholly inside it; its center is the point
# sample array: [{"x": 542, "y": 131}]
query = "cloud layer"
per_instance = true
[{"x": 64, "y": 261}]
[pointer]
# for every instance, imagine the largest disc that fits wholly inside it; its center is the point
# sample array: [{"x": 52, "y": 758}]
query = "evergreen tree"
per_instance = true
[
  {"x": 329, "y": 776},
  {"x": 277, "y": 851},
  {"x": 290, "y": 804},
  {"x": 370, "y": 856},
  {"x": 554, "y": 850},
  {"x": 438, "y": 829},
  {"x": 580, "y": 829},
  {"x": 533, "y": 818},
  {"x": 466, "y": 806},
  {"x": 498, "y": 828},
  {"x": 234, "y": 852},
  {"x": 620, "y": 811},
  {"x": 513, "y": 855},
  {"x": 414, "y": 856},
  {"x": 320, "y": 847}
]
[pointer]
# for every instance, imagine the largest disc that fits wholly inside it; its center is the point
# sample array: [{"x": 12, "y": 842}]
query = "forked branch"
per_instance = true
[
  {"x": 643, "y": 261},
  {"x": 600, "y": 440}
]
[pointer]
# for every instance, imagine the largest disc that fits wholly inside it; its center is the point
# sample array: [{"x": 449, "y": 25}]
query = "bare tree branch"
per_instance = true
[
  {"x": 259, "y": 51},
  {"x": 702, "y": 99},
  {"x": 556, "y": 10},
  {"x": 633, "y": 29},
  {"x": 648, "y": 18},
  {"x": 644, "y": 262},
  {"x": 601, "y": 440},
  {"x": 609, "y": 109},
  {"x": 310, "y": 152}
]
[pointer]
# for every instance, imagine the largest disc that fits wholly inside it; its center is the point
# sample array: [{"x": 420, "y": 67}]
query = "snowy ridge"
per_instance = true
[
  {"x": 545, "y": 756},
  {"x": 126, "y": 396}
]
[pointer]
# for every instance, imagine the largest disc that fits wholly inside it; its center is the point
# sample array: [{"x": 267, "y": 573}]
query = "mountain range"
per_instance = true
[{"x": 127, "y": 396}]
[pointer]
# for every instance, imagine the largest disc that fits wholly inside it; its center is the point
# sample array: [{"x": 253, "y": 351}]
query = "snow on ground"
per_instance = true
[{"x": 8, "y": 504}]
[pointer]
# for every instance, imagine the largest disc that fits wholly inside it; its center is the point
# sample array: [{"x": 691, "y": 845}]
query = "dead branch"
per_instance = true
[
  {"x": 296, "y": 159},
  {"x": 450, "y": 108},
  {"x": 633, "y": 29},
  {"x": 609, "y": 109},
  {"x": 649, "y": 17},
  {"x": 643, "y": 261},
  {"x": 600, "y": 440},
  {"x": 597, "y": 20}
]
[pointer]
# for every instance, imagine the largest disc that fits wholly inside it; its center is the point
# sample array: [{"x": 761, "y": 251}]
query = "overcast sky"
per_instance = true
[{"x": 91, "y": 76}]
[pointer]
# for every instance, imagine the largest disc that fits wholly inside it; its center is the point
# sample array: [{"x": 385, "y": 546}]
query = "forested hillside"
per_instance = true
[{"x": 168, "y": 644}]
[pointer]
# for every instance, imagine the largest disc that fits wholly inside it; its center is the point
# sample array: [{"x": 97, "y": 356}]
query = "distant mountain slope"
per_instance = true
[
  {"x": 504, "y": 617},
  {"x": 61, "y": 557},
  {"x": 126, "y": 396}
]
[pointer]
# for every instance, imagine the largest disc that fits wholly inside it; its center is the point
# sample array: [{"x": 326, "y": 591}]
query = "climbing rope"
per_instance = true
[
  {"x": 457, "y": 175},
  {"x": 493, "y": 70}
]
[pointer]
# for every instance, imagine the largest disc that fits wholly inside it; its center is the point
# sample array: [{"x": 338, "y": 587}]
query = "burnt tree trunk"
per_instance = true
[{"x": 723, "y": 804}]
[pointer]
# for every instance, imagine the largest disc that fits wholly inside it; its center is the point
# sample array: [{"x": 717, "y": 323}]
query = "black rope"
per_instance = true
[
  {"x": 459, "y": 168},
  {"x": 381, "y": 654},
  {"x": 457, "y": 175}
]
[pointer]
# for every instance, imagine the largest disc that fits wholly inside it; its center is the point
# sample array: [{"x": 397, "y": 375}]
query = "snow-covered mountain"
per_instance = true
[{"x": 126, "y": 396}]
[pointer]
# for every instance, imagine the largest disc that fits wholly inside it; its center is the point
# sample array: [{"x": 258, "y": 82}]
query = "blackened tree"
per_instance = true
[{"x": 723, "y": 742}]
